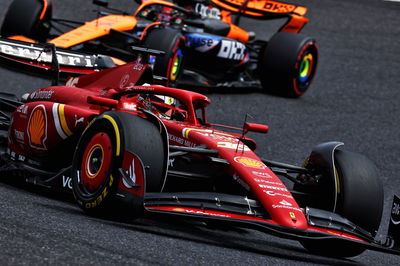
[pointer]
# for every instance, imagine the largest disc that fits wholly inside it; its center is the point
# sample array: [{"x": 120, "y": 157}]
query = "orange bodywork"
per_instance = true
[
  {"x": 21, "y": 38},
  {"x": 94, "y": 29},
  {"x": 147, "y": 28},
  {"x": 238, "y": 33},
  {"x": 257, "y": 5},
  {"x": 295, "y": 24},
  {"x": 45, "y": 6}
]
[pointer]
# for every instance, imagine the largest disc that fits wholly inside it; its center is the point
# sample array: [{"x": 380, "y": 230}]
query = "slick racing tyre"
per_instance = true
[
  {"x": 287, "y": 64},
  {"x": 29, "y": 18},
  {"x": 98, "y": 160},
  {"x": 170, "y": 41},
  {"x": 359, "y": 199}
]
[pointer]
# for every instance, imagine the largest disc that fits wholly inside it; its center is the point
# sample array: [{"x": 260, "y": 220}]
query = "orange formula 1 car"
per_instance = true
[{"x": 203, "y": 44}]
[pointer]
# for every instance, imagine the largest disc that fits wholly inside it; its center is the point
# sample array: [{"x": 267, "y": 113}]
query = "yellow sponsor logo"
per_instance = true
[{"x": 249, "y": 162}]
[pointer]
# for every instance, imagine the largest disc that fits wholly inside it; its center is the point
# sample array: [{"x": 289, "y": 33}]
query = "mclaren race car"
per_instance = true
[
  {"x": 125, "y": 147},
  {"x": 203, "y": 44}
]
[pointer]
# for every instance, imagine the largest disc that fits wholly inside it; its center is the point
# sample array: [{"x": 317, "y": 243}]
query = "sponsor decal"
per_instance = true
[
  {"x": 292, "y": 215},
  {"x": 19, "y": 135},
  {"x": 41, "y": 95},
  {"x": 232, "y": 50},
  {"x": 23, "y": 109},
  {"x": 207, "y": 11},
  {"x": 132, "y": 87},
  {"x": 284, "y": 202},
  {"x": 272, "y": 187},
  {"x": 395, "y": 214},
  {"x": 278, "y": 7},
  {"x": 268, "y": 182},
  {"x": 21, "y": 158},
  {"x": 285, "y": 207},
  {"x": 201, "y": 43},
  {"x": 394, "y": 224},
  {"x": 171, "y": 162},
  {"x": 181, "y": 141},
  {"x": 30, "y": 52},
  {"x": 233, "y": 146},
  {"x": 138, "y": 66},
  {"x": 37, "y": 128},
  {"x": 131, "y": 174},
  {"x": 274, "y": 193},
  {"x": 60, "y": 121},
  {"x": 100, "y": 198},
  {"x": 72, "y": 82},
  {"x": 204, "y": 132},
  {"x": 78, "y": 120},
  {"x": 66, "y": 182},
  {"x": 261, "y": 174},
  {"x": 249, "y": 162},
  {"x": 200, "y": 212},
  {"x": 129, "y": 106},
  {"x": 124, "y": 80}
]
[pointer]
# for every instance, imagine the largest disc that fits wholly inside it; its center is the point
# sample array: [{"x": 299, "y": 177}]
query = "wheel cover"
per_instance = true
[
  {"x": 176, "y": 65},
  {"x": 96, "y": 162},
  {"x": 306, "y": 67}
]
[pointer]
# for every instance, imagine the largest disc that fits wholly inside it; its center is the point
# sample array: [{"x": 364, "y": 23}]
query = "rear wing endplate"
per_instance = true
[{"x": 265, "y": 9}]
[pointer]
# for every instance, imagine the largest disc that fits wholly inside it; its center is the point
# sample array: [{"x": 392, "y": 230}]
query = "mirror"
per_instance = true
[{"x": 255, "y": 128}]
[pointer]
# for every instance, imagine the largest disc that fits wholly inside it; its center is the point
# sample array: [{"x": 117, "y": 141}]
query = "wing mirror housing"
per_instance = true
[{"x": 252, "y": 127}]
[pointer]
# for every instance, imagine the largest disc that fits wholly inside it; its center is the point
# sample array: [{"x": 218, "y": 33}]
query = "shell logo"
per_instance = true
[
  {"x": 249, "y": 162},
  {"x": 37, "y": 127}
]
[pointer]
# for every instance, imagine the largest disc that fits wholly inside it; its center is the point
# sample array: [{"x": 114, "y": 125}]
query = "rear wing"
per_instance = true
[
  {"x": 49, "y": 60},
  {"x": 36, "y": 56},
  {"x": 265, "y": 9}
]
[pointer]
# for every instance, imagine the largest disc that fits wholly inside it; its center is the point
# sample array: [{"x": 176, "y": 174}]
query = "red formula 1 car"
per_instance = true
[
  {"x": 123, "y": 147},
  {"x": 202, "y": 41}
]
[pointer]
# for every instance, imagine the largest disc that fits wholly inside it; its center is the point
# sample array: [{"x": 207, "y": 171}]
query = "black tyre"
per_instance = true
[
  {"x": 29, "y": 18},
  {"x": 359, "y": 199},
  {"x": 99, "y": 156},
  {"x": 170, "y": 41},
  {"x": 288, "y": 63}
]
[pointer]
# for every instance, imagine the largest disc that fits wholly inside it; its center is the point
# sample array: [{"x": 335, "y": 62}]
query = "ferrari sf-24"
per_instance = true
[{"x": 126, "y": 147}]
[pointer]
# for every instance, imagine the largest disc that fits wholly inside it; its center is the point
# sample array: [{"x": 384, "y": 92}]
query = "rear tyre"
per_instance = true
[
  {"x": 288, "y": 63},
  {"x": 170, "y": 41},
  {"x": 26, "y": 17},
  {"x": 99, "y": 156},
  {"x": 359, "y": 199}
]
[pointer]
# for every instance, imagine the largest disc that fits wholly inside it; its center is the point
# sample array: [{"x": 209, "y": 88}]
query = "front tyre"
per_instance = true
[
  {"x": 288, "y": 63},
  {"x": 359, "y": 199},
  {"x": 99, "y": 158}
]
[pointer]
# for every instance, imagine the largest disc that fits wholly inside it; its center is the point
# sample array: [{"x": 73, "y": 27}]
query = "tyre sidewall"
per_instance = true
[
  {"x": 280, "y": 61},
  {"x": 102, "y": 196}
]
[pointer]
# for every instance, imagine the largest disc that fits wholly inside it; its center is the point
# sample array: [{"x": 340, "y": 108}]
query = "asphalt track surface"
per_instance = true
[{"x": 354, "y": 99}]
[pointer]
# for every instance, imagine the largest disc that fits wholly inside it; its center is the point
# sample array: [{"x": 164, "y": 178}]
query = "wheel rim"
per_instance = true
[
  {"x": 96, "y": 162},
  {"x": 176, "y": 65},
  {"x": 306, "y": 68}
]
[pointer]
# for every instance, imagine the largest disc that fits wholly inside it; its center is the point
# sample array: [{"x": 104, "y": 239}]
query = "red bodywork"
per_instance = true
[{"x": 53, "y": 114}]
